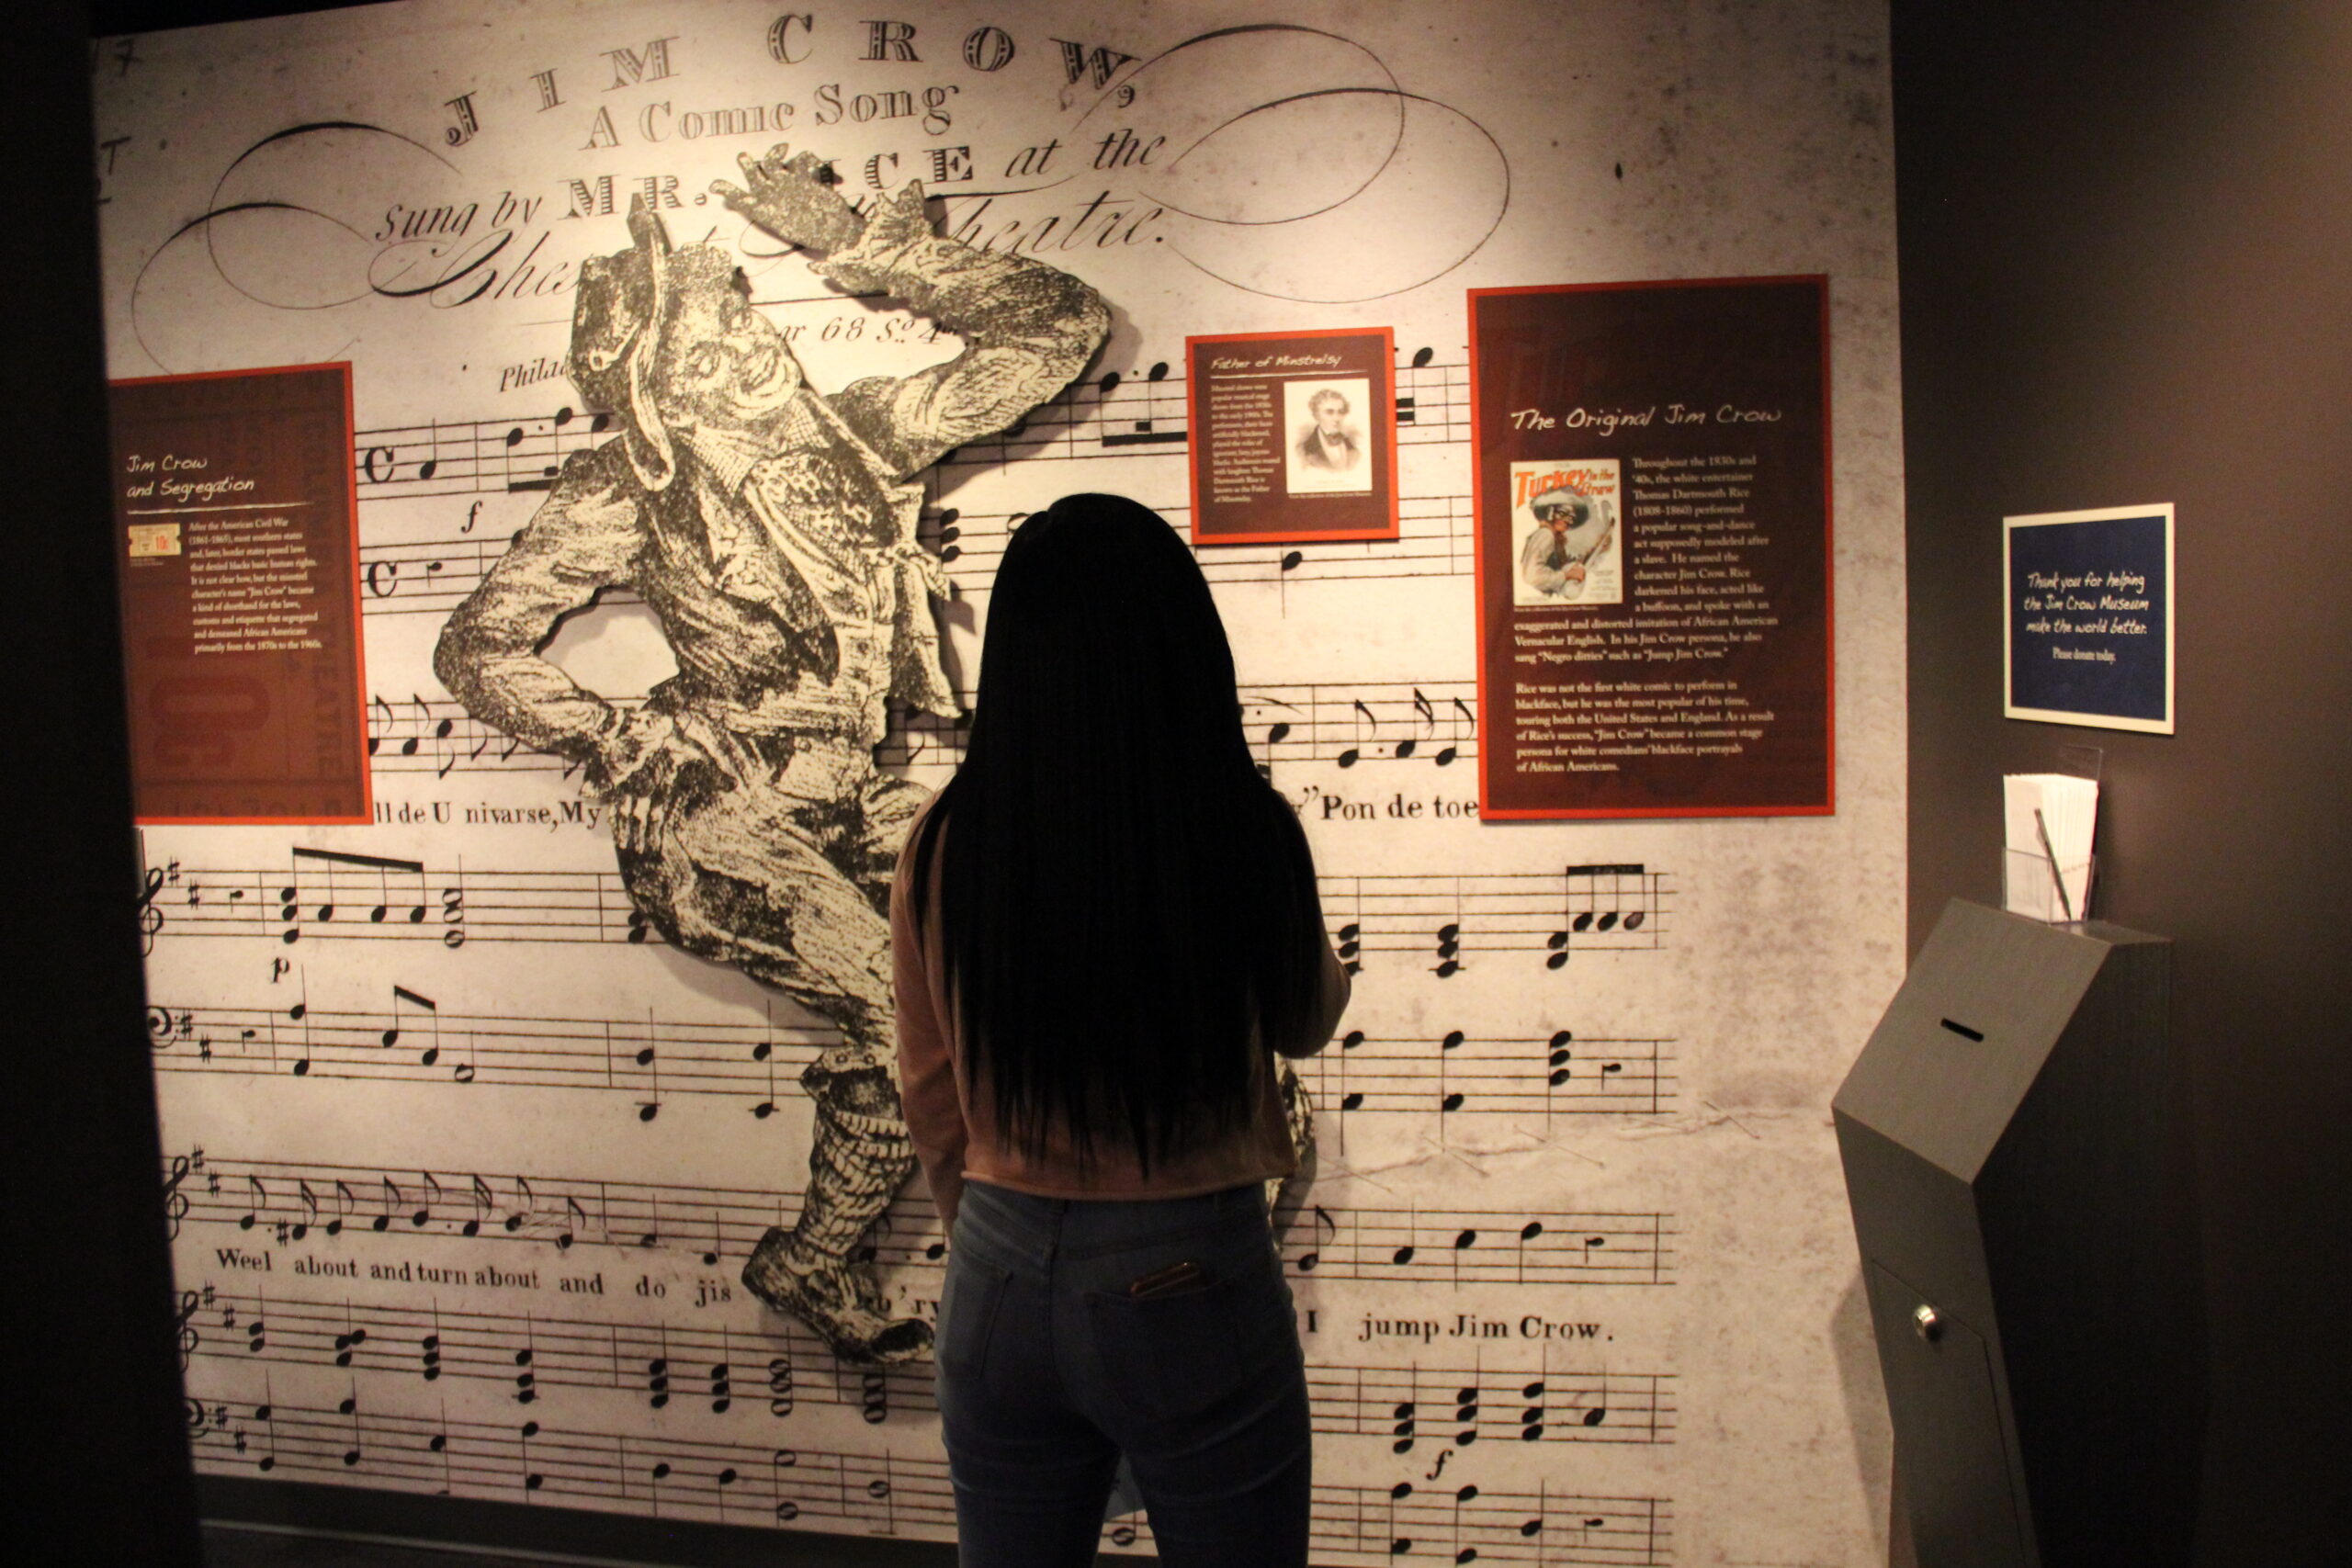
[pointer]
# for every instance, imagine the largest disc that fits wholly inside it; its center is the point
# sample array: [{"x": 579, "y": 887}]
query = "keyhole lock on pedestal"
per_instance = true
[{"x": 1929, "y": 1322}]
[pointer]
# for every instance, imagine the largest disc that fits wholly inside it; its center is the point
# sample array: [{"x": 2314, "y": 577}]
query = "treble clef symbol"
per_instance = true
[
  {"x": 189, "y": 1338},
  {"x": 176, "y": 1201},
  {"x": 151, "y": 918}
]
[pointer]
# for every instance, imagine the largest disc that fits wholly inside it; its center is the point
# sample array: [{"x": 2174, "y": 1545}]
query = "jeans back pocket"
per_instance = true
[
  {"x": 1180, "y": 1356},
  {"x": 967, "y": 1309}
]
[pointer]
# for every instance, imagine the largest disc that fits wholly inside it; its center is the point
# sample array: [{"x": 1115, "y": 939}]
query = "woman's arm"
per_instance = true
[
  {"x": 926, "y": 1063},
  {"x": 1334, "y": 989}
]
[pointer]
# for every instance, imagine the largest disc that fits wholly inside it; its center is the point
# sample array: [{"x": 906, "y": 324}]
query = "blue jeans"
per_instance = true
[{"x": 1050, "y": 1370}]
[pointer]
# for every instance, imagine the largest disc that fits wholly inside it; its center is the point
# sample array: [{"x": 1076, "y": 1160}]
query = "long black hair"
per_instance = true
[{"x": 1127, "y": 910}]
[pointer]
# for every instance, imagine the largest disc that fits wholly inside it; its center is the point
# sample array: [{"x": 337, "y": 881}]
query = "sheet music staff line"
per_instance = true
[
  {"x": 327, "y": 896},
  {"x": 645, "y": 1061},
  {"x": 1098, "y": 418},
  {"x": 1117, "y": 415},
  {"x": 1521, "y": 1077},
  {"x": 881, "y": 1494},
  {"x": 432, "y": 575},
  {"x": 322, "y": 1202},
  {"x": 767, "y": 1374},
  {"x": 1344, "y": 723},
  {"x": 635, "y": 1058},
  {"x": 1502, "y": 1076}
]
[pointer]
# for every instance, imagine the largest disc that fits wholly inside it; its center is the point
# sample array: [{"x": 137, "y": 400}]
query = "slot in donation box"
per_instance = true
[{"x": 2013, "y": 1149}]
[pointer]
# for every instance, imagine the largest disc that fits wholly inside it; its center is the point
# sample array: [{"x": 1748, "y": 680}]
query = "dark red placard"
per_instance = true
[
  {"x": 1686, "y": 671},
  {"x": 1259, "y": 475},
  {"x": 236, "y": 534}
]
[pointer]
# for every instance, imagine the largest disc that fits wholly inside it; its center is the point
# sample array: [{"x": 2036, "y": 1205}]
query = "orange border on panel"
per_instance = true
[
  {"x": 358, "y": 628},
  {"x": 1828, "y": 804},
  {"x": 1388, "y": 439}
]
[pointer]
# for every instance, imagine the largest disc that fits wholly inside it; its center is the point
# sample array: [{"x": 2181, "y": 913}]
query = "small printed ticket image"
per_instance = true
[
  {"x": 149, "y": 539},
  {"x": 1565, "y": 516}
]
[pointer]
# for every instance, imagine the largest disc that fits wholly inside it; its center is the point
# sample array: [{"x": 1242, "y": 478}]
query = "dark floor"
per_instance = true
[{"x": 226, "y": 1547}]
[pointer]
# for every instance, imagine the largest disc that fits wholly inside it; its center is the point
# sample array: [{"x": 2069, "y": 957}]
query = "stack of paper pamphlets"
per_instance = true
[{"x": 2050, "y": 820}]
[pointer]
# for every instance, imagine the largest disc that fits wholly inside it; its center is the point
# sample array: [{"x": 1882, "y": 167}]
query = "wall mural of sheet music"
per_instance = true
[{"x": 477, "y": 1112}]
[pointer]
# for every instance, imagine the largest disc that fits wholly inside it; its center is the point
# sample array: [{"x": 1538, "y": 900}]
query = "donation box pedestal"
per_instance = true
[{"x": 2013, "y": 1152}]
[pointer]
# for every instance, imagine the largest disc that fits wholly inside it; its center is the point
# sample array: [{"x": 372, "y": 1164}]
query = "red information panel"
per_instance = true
[
  {"x": 238, "y": 531},
  {"x": 1293, "y": 436},
  {"x": 1652, "y": 491}
]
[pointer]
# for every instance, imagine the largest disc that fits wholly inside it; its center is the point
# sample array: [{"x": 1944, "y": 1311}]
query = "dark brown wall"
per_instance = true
[
  {"x": 92, "y": 1401},
  {"x": 2126, "y": 254}
]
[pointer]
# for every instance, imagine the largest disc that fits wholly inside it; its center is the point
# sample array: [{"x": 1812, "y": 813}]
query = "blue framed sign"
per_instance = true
[{"x": 2088, "y": 618}]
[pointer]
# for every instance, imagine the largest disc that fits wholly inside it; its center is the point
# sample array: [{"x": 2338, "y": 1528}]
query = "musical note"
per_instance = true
[
  {"x": 1500, "y": 912},
  {"x": 650, "y": 1058},
  {"x": 298, "y": 1014},
  {"x": 574, "y": 1212},
  {"x": 722, "y": 1386},
  {"x": 1089, "y": 420},
  {"x": 484, "y": 1201},
  {"x": 347, "y": 1343},
  {"x": 1466, "y": 724},
  {"x": 1597, "y": 1411},
  {"x": 1427, "y": 713},
  {"x": 1286, "y": 722},
  {"x": 1349, "y": 758},
  {"x": 376, "y": 704},
  {"x": 1398, "y": 1545},
  {"x": 780, "y": 1388},
  {"x": 312, "y": 867},
  {"x": 880, "y": 1494},
  {"x": 1326, "y": 1229},
  {"x": 1349, "y": 1100},
  {"x": 426, "y": 470},
  {"x": 1443, "y": 1245},
  {"x": 527, "y": 1380},
  {"x": 530, "y": 1202},
  {"x": 657, "y": 1381},
  {"x": 392, "y": 1200},
  {"x": 1448, "y": 1100},
  {"x": 1462, "y": 1498},
  {"x": 1449, "y": 948}
]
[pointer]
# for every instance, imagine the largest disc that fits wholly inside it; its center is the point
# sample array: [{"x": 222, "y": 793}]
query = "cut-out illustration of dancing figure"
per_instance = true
[{"x": 772, "y": 532}]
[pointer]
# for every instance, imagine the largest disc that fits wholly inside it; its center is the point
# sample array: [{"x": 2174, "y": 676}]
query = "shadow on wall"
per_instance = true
[{"x": 1864, "y": 1392}]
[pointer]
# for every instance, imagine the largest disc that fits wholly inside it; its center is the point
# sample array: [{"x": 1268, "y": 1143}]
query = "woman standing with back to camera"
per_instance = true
[{"x": 1103, "y": 926}]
